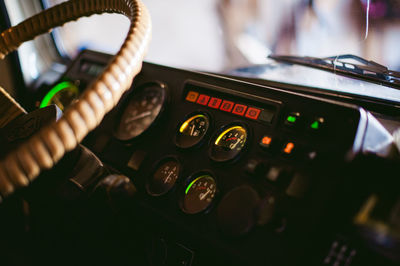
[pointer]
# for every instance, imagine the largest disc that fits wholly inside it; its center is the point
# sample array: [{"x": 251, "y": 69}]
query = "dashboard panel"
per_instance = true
[
  {"x": 232, "y": 172},
  {"x": 195, "y": 168}
]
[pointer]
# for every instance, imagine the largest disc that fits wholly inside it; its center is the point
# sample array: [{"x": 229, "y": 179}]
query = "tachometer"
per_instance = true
[
  {"x": 228, "y": 143},
  {"x": 199, "y": 194},
  {"x": 143, "y": 108}
]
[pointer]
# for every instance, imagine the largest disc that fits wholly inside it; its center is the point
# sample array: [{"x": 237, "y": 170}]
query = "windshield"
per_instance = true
[
  {"x": 221, "y": 35},
  {"x": 316, "y": 78}
]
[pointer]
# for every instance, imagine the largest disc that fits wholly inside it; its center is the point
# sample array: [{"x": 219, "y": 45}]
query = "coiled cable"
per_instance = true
[{"x": 48, "y": 146}]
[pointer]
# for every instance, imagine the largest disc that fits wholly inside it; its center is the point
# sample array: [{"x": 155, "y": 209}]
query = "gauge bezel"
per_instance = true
[
  {"x": 202, "y": 139},
  {"x": 156, "y": 166},
  {"x": 219, "y": 132},
  {"x": 128, "y": 99},
  {"x": 187, "y": 181}
]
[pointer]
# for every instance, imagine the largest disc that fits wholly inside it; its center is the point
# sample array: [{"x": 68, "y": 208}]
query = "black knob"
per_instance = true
[
  {"x": 237, "y": 211},
  {"x": 256, "y": 168},
  {"x": 115, "y": 189}
]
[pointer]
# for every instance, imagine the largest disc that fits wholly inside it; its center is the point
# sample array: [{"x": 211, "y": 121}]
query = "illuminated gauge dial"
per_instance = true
[
  {"x": 192, "y": 130},
  {"x": 227, "y": 144},
  {"x": 142, "y": 109},
  {"x": 164, "y": 178},
  {"x": 199, "y": 194},
  {"x": 62, "y": 95}
]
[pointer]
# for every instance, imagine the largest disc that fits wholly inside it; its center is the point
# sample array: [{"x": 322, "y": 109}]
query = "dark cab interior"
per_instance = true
[{"x": 197, "y": 167}]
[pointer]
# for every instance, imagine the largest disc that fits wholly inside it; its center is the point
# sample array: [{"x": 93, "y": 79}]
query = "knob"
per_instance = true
[
  {"x": 115, "y": 189},
  {"x": 256, "y": 168},
  {"x": 237, "y": 211}
]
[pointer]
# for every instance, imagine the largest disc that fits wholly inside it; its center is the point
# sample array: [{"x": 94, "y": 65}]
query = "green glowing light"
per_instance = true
[
  {"x": 194, "y": 181},
  {"x": 56, "y": 89},
  {"x": 291, "y": 119},
  {"x": 315, "y": 125}
]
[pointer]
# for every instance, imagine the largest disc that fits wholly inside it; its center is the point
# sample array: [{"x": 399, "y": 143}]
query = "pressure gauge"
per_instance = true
[
  {"x": 228, "y": 143},
  {"x": 143, "y": 108}
]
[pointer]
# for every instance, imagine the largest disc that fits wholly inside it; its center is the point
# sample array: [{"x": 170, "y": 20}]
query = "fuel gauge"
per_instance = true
[{"x": 192, "y": 130}]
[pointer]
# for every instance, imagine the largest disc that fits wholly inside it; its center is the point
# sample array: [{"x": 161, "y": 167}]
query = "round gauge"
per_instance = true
[
  {"x": 164, "y": 178},
  {"x": 227, "y": 144},
  {"x": 192, "y": 130},
  {"x": 62, "y": 95},
  {"x": 141, "y": 111},
  {"x": 199, "y": 194}
]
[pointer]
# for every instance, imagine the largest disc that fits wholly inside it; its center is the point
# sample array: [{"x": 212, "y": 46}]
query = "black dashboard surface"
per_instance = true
[
  {"x": 281, "y": 190},
  {"x": 199, "y": 169}
]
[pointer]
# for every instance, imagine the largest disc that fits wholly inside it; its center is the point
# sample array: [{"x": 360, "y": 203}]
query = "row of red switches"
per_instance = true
[{"x": 224, "y": 105}]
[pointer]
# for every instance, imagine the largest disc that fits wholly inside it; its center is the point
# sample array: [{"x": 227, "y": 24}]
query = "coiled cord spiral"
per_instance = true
[{"x": 44, "y": 149}]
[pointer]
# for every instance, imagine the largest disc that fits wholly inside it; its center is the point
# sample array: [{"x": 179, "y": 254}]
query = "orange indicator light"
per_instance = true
[
  {"x": 266, "y": 140},
  {"x": 289, "y": 148},
  {"x": 192, "y": 96}
]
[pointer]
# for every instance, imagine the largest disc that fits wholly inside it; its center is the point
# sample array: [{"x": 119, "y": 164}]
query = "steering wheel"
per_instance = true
[{"x": 22, "y": 165}]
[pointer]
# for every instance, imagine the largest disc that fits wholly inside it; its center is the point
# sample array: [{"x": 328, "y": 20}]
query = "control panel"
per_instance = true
[
  {"x": 232, "y": 171},
  {"x": 199, "y": 169}
]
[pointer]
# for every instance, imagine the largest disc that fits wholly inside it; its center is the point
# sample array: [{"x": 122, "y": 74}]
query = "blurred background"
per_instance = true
[{"x": 221, "y": 35}]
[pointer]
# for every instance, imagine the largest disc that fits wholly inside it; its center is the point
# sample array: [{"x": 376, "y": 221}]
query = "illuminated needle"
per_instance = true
[
  {"x": 142, "y": 115},
  {"x": 234, "y": 145},
  {"x": 57, "y": 101},
  {"x": 205, "y": 194},
  {"x": 191, "y": 132}
]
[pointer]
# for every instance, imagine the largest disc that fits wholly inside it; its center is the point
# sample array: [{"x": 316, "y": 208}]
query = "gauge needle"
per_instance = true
[
  {"x": 236, "y": 143},
  {"x": 142, "y": 115},
  {"x": 202, "y": 196},
  {"x": 191, "y": 132},
  {"x": 168, "y": 178}
]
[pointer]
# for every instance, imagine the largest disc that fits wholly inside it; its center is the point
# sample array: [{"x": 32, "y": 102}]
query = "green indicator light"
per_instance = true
[
  {"x": 291, "y": 119},
  {"x": 194, "y": 181},
  {"x": 56, "y": 89},
  {"x": 315, "y": 125}
]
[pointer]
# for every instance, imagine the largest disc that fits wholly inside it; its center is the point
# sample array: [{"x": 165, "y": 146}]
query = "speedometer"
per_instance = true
[{"x": 142, "y": 109}]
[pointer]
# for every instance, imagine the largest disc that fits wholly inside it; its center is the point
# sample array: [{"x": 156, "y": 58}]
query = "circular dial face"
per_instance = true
[
  {"x": 229, "y": 143},
  {"x": 164, "y": 178},
  {"x": 62, "y": 95},
  {"x": 199, "y": 194},
  {"x": 192, "y": 131},
  {"x": 140, "y": 112}
]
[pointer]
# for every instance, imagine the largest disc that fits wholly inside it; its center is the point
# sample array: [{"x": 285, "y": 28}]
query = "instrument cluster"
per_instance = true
[{"x": 141, "y": 111}]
